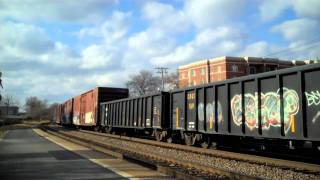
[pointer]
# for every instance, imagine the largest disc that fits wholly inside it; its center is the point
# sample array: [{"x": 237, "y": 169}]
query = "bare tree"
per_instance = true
[
  {"x": 36, "y": 108},
  {"x": 51, "y": 110},
  {"x": 143, "y": 83},
  {"x": 172, "y": 81}
]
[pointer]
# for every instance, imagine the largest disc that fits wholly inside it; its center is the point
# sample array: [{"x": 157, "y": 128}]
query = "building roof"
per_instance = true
[
  {"x": 197, "y": 63},
  {"x": 248, "y": 59}
]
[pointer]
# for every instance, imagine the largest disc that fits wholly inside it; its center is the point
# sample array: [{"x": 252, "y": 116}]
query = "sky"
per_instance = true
[{"x": 56, "y": 49}]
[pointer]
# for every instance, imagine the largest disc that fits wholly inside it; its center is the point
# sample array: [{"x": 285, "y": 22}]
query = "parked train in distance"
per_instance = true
[{"x": 278, "y": 107}]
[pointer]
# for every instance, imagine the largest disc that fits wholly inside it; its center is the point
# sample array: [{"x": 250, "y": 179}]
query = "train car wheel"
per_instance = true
[
  {"x": 158, "y": 135},
  {"x": 169, "y": 140},
  {"x": 96, "y": 128},
  {"x": 107, "y": 130},
  {"x": 189, "y": 139}
]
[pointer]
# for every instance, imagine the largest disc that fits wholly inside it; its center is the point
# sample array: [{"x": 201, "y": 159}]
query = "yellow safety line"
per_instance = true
[
  {"x": 177, "y": 117},
  {"x": 293, "y": 129}
]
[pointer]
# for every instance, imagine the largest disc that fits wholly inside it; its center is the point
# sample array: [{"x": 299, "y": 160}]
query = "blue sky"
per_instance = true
[{"x": 55, "y": 49}]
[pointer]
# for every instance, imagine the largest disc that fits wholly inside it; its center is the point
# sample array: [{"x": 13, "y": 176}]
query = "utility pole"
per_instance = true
[
  {"x": 0, "y": 93},
  {"x": 162, "y": 71},
  {"x": 1, "y": 84}
]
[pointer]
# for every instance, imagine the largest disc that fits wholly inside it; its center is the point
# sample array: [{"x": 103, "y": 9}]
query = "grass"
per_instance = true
[{"x": 2, "y": 132}]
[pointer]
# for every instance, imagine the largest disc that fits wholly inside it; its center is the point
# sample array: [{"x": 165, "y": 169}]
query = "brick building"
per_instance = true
[{"x": 226, "y": 67}]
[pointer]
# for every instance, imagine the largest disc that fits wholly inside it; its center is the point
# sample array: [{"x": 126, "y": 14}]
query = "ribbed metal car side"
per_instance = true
[
  {"x": 282, "y": 104},
  {"x": 58, "y": 114},
  {"x": 150, "y": 111}
]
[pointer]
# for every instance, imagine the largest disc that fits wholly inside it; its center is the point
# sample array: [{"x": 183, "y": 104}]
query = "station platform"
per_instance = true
[{"x": 34, "y": 154}]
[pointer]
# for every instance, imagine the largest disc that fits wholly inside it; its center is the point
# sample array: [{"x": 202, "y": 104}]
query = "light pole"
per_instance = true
[{"x": 162, "y": 71}]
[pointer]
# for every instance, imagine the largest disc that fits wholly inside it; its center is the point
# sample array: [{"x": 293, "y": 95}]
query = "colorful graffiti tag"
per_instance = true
[
  {"x": 210, "y": 112},
  {"x": 270, "y": 109},
  {"x": 313, "y": 98}
]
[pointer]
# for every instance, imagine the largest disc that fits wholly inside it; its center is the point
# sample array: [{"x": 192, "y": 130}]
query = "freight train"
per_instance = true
[{"x": 277, "y": 107}]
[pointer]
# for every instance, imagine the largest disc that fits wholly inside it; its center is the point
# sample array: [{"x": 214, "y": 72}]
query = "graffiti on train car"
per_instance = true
[
  {"x": 313, "y": 98},
  {"x": 210, "y": 111},
  {"x": 270, "y": 109}
]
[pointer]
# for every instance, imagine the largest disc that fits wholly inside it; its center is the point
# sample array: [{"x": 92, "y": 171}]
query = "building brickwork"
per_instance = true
[{"x": 226, "y": 67}]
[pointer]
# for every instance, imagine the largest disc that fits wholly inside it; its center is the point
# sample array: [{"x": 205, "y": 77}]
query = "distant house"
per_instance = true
[{"x": 9, "y": 111}]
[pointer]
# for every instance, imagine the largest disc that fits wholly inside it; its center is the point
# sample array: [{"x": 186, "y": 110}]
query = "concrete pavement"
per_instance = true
[{"x": 25, "y": 155}]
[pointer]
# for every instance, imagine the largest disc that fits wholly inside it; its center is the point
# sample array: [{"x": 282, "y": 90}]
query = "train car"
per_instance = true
[
  {"x": 278, "y": 105},
  {"x": 57, "y": 114},
  {"x": 86, "y": 107},
  {"x": 76, "y": 110},
  {"x": 147, "y": 113},
  {"x": 67, "y": 113}
]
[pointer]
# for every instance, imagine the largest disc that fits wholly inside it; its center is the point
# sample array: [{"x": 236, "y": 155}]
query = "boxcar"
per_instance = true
[
  {"x": 86, "y": 107},
  {"x": 57, "y": 114},
  {"x": 67, "y": 112},
  {"x": 147, "y": 113},
  {"x": 76, "y": 110},
  {"x": 283, "y": 104}
]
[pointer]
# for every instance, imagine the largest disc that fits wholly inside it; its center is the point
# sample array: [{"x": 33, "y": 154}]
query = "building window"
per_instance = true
[
  {"x": 183, "y": 75},
  {"x": 194, "y": 83},
  {"x": 219, "y": 68},
  {"x": 203, "y": 71},
  {"x": 253, "y": 70},
  {"x": 234, "y": 68},
  {"x": 202, "y": 81},
  {"x": 193, "y": 73}
]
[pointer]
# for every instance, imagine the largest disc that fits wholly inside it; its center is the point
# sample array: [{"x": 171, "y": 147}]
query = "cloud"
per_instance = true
[
  {"x": 27, "y": 38},
  {"x": 107, "y": 52},
  {"x": 210, "y": 13},
  {"x": 302, "y": 36},
  {"x": 259, "y": 49},
  {"x": 271, "y": 9},
  {"x": 165, "y": 17},
  {"x": 151, "y": 42},
  {"x": 111, "y": 30},
  {"x": 98, "y": 56},
  {"x": 308, "y": 8},
  {"x": 59, "y": 11},
  {"x": 28, "y": 44},
  {"x": 206, "y": 44},
  {"x": 298, "y": 30}
]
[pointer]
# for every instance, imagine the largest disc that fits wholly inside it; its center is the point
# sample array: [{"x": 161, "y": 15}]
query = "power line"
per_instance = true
[
  {"x": 301, "y": 48},
  {"x": 162, "y": 71},
  {"x": 313, "y": 41}
]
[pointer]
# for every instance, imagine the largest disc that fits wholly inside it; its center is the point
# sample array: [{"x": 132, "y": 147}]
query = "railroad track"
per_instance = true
[{"x": 215, "y": 163}]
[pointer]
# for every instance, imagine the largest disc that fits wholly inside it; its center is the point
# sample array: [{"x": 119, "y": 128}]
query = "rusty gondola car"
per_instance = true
[
  {"x": 148, "y": 114},
  {"x": 282, "y": 105}
]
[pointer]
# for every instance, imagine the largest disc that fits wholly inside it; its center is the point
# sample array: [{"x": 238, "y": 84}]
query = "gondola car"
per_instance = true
[
  {"x": 145, "y": 114},
  {"x": 281, "y": 106}
]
